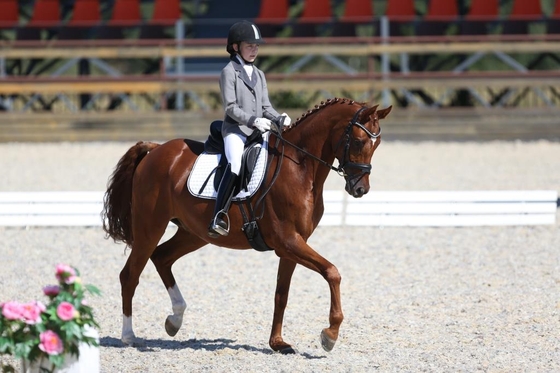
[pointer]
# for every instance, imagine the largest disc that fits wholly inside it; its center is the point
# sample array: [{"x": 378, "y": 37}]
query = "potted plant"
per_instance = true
[{"x": 50, "y": 338}]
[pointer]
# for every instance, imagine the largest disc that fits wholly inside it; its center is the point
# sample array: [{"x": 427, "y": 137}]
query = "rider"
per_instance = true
[{"x": 247, "y": 107}]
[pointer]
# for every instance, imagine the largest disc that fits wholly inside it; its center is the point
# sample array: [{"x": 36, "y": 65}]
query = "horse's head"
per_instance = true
[{"x": 355, "y": 148}]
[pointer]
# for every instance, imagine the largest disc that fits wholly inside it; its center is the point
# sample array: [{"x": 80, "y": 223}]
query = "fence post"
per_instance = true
[
  {"x": 385, "y": 60},
  {"x": 179, "y": 36}
]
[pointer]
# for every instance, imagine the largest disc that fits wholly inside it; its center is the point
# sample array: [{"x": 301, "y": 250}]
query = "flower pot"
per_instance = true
[{"x": 88, "y": 362}]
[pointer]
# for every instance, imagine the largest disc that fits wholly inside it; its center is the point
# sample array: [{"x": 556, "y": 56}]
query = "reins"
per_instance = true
[{"x": 336, "y": 169}]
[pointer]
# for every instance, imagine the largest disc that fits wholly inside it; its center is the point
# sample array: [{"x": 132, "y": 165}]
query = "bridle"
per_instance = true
[
  {"x": 346, "y": 163},
  {"x": 364, "y": 167}
]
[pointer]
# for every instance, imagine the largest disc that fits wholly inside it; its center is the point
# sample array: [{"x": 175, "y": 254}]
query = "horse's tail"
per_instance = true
[{"x": 117, "y": 214}]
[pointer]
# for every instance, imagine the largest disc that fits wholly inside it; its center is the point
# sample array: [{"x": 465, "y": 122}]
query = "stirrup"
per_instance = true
[{"x": 215, "y": 226}]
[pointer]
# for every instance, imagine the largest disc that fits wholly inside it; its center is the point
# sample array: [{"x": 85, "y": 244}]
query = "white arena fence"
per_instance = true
[{"x": 378, "y": 208}]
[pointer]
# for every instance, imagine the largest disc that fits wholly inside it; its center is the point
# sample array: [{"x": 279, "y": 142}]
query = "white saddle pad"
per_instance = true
[{"x": 206, "y": 163}]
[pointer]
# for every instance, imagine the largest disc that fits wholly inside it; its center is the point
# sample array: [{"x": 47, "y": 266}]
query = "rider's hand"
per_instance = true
[
  {"x": 262, "y": 124},
  {"x": 287, "y": 119}
]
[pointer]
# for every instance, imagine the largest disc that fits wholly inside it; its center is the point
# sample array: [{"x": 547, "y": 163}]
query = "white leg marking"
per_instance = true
[
  {"x": 128, "y": 336},
  {"x": 178, "y": 304}
]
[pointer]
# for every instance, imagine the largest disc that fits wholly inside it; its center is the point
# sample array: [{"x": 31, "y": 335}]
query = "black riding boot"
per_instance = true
[{"x": 219, "y": 226}]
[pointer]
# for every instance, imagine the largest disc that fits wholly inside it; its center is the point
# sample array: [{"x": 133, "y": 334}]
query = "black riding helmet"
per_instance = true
[{"x": 243, "y": 31}]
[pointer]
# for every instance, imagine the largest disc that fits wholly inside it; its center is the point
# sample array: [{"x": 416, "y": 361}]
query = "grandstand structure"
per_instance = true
[{"x": 76, "y": 56}]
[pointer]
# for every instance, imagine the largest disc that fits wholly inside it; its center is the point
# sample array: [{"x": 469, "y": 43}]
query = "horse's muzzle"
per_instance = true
[{"x": 356, "y": 191}]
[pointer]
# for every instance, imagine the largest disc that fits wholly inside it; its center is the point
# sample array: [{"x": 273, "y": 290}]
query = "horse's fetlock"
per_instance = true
[
  {"x": 179, "y": 309},
  {"x": 337, "y": 318},
  {"x": 176, "y": 320}
]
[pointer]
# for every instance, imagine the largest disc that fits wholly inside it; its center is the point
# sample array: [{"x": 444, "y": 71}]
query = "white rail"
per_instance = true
[
  {"x": 434, "y": 208},
  {"x": 50, "y": 208},
  {"x": 442, "y": 208}
]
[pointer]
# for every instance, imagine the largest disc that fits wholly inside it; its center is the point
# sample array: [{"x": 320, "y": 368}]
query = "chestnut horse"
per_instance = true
[{"x": 148, "y": 190}]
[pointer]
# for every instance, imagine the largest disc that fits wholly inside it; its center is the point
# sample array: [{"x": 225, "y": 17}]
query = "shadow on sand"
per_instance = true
[{"x": 194, "y": 344}]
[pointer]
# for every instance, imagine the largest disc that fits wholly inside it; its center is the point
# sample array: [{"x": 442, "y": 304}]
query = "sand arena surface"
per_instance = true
[{"x": 415, "y": 299}]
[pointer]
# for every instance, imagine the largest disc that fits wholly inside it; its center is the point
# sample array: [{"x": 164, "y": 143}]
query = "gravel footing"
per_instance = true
[{"x": 415, "y": 299}]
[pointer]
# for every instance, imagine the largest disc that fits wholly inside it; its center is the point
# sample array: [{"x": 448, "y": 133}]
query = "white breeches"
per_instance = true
[{"x": 234, "y": 145}]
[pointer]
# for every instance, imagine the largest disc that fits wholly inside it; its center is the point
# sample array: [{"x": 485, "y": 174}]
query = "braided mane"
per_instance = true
[{"x": 323, "y": 104}]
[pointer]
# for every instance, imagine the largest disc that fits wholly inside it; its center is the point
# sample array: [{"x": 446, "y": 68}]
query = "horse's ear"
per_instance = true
[
  {"x": 384, "y": 112},
  {"x": 367, "y": 113}
]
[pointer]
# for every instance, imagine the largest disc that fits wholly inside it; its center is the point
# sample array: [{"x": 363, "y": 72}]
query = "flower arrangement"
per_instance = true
[{"x": 34, "y": 331}]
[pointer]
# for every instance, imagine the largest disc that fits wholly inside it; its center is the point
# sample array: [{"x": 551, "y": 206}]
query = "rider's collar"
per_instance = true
[{"x": 242, "y": 61}]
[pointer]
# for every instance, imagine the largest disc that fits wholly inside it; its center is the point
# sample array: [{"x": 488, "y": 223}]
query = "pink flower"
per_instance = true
[
  {"x": 51, "y": 290},
  {"x": 31, "y": 312},
  {"x": 65, "y": 273},
  {"x": 50, "y": 343},
  {"x": 66, "y": 311},
  {"x": 12, "y": 310},
  {"x": 71, "y": 279}
]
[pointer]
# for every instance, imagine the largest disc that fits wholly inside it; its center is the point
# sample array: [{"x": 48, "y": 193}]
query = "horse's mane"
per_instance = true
[{"x": 322, "y": 105}]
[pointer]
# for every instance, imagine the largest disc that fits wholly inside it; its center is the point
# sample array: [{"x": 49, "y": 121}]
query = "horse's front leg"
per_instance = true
[
  {"x": 285, "y": 271},
  {"x": 301, "y": 253},
  {"x": 330, "y": 335}
]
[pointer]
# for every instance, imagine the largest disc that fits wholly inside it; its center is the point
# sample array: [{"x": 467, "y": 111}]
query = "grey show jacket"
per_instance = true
[{"x": 244, "y": 99}]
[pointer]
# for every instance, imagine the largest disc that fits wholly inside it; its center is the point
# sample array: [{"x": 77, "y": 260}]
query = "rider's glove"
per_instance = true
[
  {"x": 262, "y": 124},
  {"x": 287, "y": 119}
]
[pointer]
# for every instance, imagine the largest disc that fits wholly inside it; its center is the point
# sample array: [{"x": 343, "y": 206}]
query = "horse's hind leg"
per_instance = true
[
  {"x": 141, "y": 250},
  {"x": 182, "y": 243}
]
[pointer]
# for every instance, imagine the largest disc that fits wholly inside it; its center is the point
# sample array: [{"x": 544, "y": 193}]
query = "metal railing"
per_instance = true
[{"x": 386, "y": 73}]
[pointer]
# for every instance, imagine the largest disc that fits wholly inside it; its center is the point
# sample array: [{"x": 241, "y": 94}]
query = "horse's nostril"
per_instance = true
[{"x": 360, "y": 191}]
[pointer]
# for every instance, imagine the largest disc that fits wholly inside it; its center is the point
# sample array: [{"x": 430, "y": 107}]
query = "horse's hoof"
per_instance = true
[
  {"x": 170, "y": 328},
  {"x": 133, "y": 341},
  {"x": 288, "y": 351},
  {"x": 327, "y": 342}
]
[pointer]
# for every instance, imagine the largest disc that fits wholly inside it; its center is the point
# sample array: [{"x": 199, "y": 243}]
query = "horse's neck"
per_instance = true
[{"x": 315, "y": 136}]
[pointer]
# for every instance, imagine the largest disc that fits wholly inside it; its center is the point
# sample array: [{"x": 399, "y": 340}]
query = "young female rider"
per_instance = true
[{"x": 247, "y": 108}]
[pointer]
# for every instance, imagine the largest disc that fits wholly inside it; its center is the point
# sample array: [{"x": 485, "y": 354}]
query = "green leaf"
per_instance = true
[
  {"x": 6, "y": 345},
  {"x": 23, "y": 349},
  {"x": 72, "y": 330},
  {"x": 93, "y": 289},
  {"x": 57, "y": 360}
]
